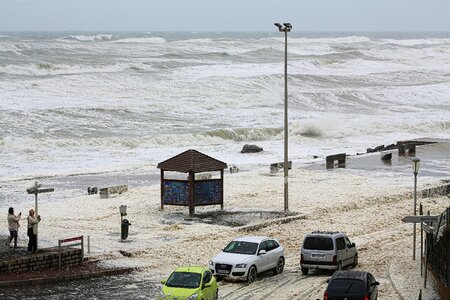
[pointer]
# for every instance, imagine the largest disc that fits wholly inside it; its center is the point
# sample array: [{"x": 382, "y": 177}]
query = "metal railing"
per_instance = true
[
  {"x": 70, "y": 240},
  {"x": 439, "y": 248}
]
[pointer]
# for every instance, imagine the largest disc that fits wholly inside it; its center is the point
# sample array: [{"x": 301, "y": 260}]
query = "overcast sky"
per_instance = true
[{"x": 225, "y": 15}]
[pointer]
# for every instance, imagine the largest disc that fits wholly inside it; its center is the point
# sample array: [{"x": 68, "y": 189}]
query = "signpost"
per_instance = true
[{"x": 35, "y": 189}]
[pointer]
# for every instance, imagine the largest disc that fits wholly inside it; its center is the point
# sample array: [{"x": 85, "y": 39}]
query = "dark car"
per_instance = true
[{"x": 351, "y": 285}]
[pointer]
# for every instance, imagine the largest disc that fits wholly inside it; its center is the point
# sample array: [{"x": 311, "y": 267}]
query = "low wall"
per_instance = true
[
  {"x": 41, "y": 260},
  {"x": 442, "y": 190},
  {"x": 442, "y": 288}
]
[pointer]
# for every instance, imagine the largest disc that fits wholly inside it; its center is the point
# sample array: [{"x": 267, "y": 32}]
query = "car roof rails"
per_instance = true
[{"x": 325, "y": 232}]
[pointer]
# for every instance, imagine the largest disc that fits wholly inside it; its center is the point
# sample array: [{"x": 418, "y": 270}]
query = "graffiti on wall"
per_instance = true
[
  {"x": 208, "y": 192},
  {"x": 176, "y": 192}
]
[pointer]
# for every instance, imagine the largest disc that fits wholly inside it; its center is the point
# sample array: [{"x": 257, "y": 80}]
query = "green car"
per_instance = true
[{"x": 190, "y": 283}]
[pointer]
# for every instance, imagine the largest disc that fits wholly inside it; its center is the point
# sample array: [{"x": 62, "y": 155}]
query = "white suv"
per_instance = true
[
  {"x": 245, "y": 257},
  {"x": 327, "y": 250}
]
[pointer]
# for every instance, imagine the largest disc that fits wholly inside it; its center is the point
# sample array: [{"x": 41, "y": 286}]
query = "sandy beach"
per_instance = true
[{"x": 367, "y": 205}]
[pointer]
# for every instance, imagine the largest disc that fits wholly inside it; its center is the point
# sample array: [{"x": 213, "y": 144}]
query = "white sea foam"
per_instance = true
[{"x": 96, "y": 102}]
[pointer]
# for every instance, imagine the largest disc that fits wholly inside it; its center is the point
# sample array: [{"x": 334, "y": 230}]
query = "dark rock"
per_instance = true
[
  {"x": 126, "y": 253},
  {"x": 387, "y": 156},
  {"x": 251, "y": 149},
  {"x": 315, "y": 156},
  {"x": 376, "y": 149},
  {"x": 390, "y": 147}
]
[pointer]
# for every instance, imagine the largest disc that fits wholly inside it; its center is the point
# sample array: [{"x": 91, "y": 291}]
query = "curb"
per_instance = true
[
  {"x": 82, "y": 275},
  {"x": 268, "y": 223},
  {"x": 393, "y": 283}
]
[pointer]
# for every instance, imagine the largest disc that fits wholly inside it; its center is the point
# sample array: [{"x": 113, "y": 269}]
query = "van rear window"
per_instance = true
[{"x": 318, "y": 243}]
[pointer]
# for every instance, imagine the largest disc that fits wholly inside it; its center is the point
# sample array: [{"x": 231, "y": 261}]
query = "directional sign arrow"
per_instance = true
[
  {"x": 420, "y": 219},
  {"x": 39, "y": 191},
  {"x": 31, "y": 190}
]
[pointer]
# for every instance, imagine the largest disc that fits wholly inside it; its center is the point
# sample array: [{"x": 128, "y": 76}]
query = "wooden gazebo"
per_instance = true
[{"x": 191, "y": 192}]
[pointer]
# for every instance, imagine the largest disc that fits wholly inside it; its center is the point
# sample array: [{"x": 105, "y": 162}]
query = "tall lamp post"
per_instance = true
[
  {"x": 416, "y": 165},
  {"x": 286, "y": 27}
]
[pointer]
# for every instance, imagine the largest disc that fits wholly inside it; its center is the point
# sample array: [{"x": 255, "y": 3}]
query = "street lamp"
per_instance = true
[
  {"x": 415, "y": 165},
  {"x": 286, "y": 27}
]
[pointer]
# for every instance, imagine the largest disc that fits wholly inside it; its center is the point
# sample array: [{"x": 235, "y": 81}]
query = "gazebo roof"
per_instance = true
[{"x": 192, "y": 160}]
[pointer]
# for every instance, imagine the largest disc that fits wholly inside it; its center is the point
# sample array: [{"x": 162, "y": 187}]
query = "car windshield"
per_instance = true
[
  {"x": 318, "y": 243},
  {"x": 346, "y": 287},
  {"x": 241, "y": 247},
  {"x": 184, "y": 280}
]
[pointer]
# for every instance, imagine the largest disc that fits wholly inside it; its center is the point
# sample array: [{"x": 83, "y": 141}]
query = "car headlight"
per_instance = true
[
  {"x": 211, "y": 263},
  {"x": 192, "y": 297},
  {"x": 240, "y": 266}
]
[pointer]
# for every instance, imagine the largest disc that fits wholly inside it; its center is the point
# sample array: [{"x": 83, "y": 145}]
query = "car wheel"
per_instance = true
[
  {"x": 216, "y": 296},
  {"x": 251, "y": 276},
  {"x": 280, "y": 266},
  {"x": 305, "y": 271},
  {"x": 355, "y": 261}
]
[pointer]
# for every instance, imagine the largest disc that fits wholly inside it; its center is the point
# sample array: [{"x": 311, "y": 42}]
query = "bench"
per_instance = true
[
  {"x": 403, "y": 147},
  {"x": 118, "y": 189},
  {"x": 340, "y": 158},
  {"x": 277, "y": 166}
]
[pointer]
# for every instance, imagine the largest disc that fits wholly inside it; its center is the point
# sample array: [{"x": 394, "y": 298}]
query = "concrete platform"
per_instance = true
[{"x": 434, "y": 160}]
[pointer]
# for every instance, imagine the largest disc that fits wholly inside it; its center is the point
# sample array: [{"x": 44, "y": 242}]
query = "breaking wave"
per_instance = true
[
  {"x": 90, "y": 38},
  {"x": 43, "y": 69},
  {"x": 245, "y": 134},
  {"x": 146, "y": 40}
]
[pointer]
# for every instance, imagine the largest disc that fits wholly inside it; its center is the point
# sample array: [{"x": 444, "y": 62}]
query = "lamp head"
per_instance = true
[
  {"x": 416, "y": 164},
  {"x": 288, "y": 25},
  {"x": 278, "y": 25}
]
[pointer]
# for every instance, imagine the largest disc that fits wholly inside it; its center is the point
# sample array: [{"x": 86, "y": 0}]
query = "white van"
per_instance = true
[{"x": 330, "y": 250}]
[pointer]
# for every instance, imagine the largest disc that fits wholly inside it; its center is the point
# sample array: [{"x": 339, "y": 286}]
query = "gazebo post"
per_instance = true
[
  {"x": 162, "y": 189},
  {"x": 191, "y": 193},
  {"x": 221, "y": 179}
]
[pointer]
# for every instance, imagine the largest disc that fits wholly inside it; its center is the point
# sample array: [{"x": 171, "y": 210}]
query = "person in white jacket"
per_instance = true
[
  {"x": 32, "y": 231},
  {"x": 13, "y": 224}
]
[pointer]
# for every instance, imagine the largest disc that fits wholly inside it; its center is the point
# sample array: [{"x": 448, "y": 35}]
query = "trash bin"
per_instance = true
[{"x": 124, "y": 229}]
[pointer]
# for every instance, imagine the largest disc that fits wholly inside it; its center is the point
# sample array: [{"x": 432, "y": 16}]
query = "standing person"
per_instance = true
[
  {"x": 13, "y": 224},
  {"x": 32, "y": 231}
]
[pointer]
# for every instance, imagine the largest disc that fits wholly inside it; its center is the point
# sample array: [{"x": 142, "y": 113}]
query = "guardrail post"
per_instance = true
[
  {"x": 59, "y": 254},
  {"x": 82, "y": 250}
]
